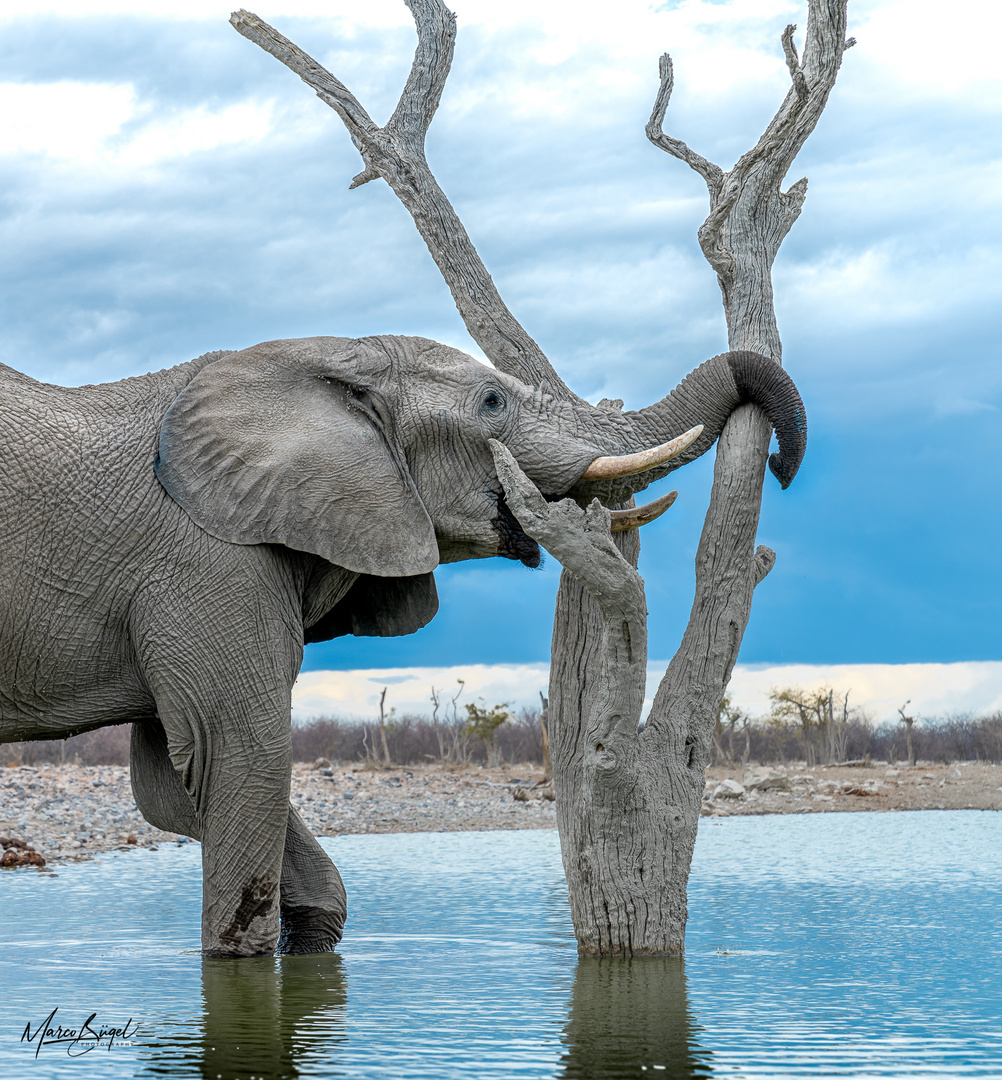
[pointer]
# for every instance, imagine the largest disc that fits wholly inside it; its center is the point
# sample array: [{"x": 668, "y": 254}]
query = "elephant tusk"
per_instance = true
[
  {"x": 610, "y": 468},
  {"x": 641, "y": 515}
]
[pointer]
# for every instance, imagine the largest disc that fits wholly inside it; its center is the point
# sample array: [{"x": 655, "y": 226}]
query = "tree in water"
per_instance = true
[{"x": 627, "y": 801}]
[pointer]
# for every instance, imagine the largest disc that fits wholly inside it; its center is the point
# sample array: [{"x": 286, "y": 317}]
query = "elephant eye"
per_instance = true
[{"x": 492, "y": 403}]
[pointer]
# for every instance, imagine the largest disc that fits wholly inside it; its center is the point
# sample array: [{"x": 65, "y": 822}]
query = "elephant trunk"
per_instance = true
[{"x": 706, "y": 396}]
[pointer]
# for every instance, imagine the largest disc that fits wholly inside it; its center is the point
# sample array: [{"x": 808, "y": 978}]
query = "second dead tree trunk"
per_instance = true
[
  {"x": 627, "y": 804},
  {"x": 628, "y": 808},
  {"x": 544, "y": 708},
  {"x": 382, "y": 727},
  {"x": 908, "y": 721}
]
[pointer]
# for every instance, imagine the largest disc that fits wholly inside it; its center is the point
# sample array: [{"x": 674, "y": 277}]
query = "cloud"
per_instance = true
[
  {"x": 356, "y": 693},
  {"x": 932, "y": 690},
  {"x": 168, "y": 189}
]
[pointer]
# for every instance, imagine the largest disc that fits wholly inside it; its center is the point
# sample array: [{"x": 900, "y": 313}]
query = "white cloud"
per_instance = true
[
  {"x": 356, "y": 693},
  {"x": 889, "y": 284},
  {"x": 62, "y": 120},
  {"x": 928, "y": 49},
  {"x": 83, "y": 123},
  {"x": 191, "y": 131},
  {"x": 933, "y": 689}
]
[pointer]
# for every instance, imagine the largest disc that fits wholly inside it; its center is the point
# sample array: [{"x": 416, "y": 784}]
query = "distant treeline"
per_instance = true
[
  {"x": 410, "y": 739},
  {"x": 416, "y": 740},
  {"x": 953, "y": 739}
]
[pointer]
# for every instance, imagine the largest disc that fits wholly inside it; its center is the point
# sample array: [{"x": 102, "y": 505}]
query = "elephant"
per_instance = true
[{"x": 170, "y": 542}]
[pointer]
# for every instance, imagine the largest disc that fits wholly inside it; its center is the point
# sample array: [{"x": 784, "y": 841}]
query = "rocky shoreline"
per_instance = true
[{"x": 70, "y": 812}]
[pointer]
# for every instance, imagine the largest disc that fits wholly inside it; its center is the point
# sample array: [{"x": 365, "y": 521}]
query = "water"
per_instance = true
[{"x": 853, "y": 945}]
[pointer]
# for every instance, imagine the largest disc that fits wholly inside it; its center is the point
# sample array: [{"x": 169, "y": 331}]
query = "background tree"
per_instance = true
[
  {"x": 908, "y": 721},
  {"x": 729, "y": 718},
  {"x": 626, "y": 837},
  {"x": 483, "y": 724},
  {"x": 823, "y": 721},
  {"x": 385, "y": 722}
]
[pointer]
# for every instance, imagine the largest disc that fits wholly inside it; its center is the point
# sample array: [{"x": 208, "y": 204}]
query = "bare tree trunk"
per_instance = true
[
  {"x": 547, "y": 777},
  {"x": 627, "y": 806},
  {"x": 908, "y": 721},
  {"x": 382, "y": 727},
  {"x": 627, "y": 849},
  {"x": 435, "y": 703}
]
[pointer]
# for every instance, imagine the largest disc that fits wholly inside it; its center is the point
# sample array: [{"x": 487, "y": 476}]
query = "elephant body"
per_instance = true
[{"x": 168, "y": 543}]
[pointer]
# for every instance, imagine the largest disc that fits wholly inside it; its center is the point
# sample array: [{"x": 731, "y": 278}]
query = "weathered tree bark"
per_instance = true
[
  {"x": 627, "y": 805},
  {"x": 631, "y": 900}
]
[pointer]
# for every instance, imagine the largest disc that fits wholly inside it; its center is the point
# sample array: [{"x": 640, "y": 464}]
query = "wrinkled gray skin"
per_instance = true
[{"x": 168, "y": 544}]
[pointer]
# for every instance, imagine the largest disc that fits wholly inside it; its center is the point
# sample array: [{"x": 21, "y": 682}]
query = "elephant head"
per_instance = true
[{"x": 373, "y": 454}]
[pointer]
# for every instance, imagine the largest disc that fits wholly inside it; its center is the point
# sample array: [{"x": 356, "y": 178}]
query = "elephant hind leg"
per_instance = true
[
  {"x": 312, "y": 897},
  {"x": 313, "y": 902}
]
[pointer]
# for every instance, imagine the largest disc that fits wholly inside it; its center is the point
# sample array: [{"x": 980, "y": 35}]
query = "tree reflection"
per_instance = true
[
  {"x": 630, "y": 1014},
  {"x": 264, "y": 1015}
]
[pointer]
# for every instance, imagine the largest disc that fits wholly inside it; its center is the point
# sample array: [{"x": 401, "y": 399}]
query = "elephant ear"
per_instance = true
[
  {"x": 379, "y": 607},
  {"x": 288, "y": 443}
]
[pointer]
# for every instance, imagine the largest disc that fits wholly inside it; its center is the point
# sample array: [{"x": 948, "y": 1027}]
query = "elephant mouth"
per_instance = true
[{"x": 512, "y": 542}]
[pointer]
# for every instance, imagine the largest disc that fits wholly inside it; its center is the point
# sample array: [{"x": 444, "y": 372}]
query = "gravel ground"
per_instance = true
[
  {"x": 72, "y": 812},
  {"x": 796, "y": 789}
]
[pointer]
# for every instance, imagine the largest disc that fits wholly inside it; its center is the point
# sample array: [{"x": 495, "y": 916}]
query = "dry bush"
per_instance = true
[
  {"x": 946, "y": 739},
  {"x": 104, "y": 746},
  {"x": 412, "y": 740}
]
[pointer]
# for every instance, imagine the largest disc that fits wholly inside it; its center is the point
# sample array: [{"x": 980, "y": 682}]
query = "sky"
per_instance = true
[{"x": 166, "y": 188}]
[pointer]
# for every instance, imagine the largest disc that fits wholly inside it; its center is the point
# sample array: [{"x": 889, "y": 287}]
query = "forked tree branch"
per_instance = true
[
  {"x": 712, "y": 174},
  {"x": 396, "y": 153},
  {"x": 436, "y": 31},
  {"x": 749, "y": 217},
  {"x": 757, "y": 174}
]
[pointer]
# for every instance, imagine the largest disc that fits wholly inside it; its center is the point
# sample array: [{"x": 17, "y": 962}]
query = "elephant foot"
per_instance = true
[{"x": 309, "y": 929}]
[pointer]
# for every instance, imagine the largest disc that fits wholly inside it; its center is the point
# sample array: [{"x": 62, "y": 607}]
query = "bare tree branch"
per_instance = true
[
  {"x": 581, "y": 540},
  {"x": 793, "y": 62},
  {"x": 318, "y": 78},
  {"x": 712, "y": 174},
  {"x": 740, "y": 237},
  {"x": 396, "y": 153},
  {"x": 436, "y": 30},
  {"x": 759, "y": 172}
]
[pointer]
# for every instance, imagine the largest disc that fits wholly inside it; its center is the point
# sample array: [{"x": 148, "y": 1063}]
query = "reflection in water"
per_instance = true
[
  {"x": 630, "y": 1014},
  {"x": 265, "y": 1016},
  {"x": 818, "y": 945}
]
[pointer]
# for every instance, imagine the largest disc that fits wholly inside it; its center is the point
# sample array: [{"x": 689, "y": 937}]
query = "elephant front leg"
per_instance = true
[
  {"x": 232, "y": 763},
  {"x": 243, "y": 822},
  {"x": 312, "y": 900}
]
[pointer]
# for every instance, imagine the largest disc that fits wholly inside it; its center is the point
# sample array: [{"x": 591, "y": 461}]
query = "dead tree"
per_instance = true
[
  {"x": 626, "y": 837},
  {"x": 908, "y": 721},
  {"x": 382, "y": 726},
  {"x": 547, "y": 778}
]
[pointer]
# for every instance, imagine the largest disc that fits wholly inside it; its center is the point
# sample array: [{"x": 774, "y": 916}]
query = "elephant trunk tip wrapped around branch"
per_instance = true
[{"x": 762, "y": 380}]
